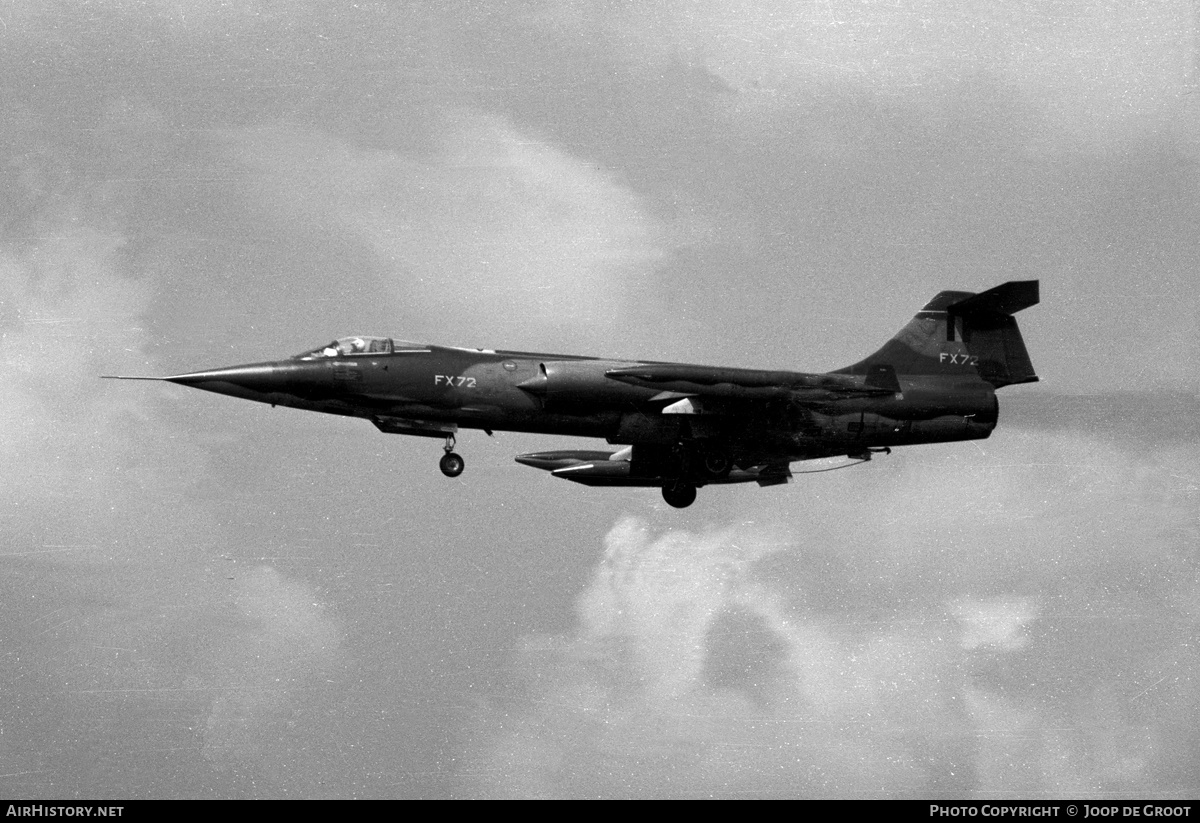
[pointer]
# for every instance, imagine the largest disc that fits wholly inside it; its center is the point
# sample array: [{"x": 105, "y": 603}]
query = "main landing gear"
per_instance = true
[
  {"x": 679, "y": 494},
  {"x": 694, "y": 462},
  {"x": 715, "y": 464},
  {"x": 451, "y": 464},
  {"x": 690, "y": 463}
]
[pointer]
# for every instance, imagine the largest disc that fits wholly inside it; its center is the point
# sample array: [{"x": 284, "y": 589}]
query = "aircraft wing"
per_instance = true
[{"x": 595, "y": 468}]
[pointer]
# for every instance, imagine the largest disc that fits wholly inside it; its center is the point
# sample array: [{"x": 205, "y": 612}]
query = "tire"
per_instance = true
[
  {"x": 451, "y": 464},
  {"x": 679, "y": 495},
  {"x": 716, "y": 464}
]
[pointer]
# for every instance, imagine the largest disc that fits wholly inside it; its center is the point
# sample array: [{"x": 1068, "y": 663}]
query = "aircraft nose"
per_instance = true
[{"x": 249, "y": 381}]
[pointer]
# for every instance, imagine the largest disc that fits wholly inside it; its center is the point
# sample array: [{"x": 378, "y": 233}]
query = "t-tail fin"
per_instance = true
[{"x": 959, "y": 332}]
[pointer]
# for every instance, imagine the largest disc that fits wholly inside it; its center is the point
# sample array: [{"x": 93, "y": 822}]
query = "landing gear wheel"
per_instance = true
[
  {"x": 716, "y": 464},
  {"x": 679, "y": 495},
  {"x": 451, "y": 464}
]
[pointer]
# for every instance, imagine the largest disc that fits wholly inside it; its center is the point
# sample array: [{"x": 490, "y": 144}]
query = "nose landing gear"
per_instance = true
[{"x": 451, "y": 464}]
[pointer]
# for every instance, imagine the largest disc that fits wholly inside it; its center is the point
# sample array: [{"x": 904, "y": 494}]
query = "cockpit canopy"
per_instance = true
[{"x": 347, "y": 346}]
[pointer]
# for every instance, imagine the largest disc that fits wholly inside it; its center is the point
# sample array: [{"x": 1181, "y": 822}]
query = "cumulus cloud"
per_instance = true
[
  {"x": 108, "y": 552},
  {"x": 690, "y": 677},
  {"x": 72, "y": 309},
  {"x": 1002, "y": 642}
]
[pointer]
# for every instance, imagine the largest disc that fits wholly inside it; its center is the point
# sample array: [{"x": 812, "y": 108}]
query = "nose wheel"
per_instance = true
[{"x": 451, "y": 464}]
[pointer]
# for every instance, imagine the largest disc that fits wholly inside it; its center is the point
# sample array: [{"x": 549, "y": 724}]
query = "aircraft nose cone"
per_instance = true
[{"x": 250, "y": 381}]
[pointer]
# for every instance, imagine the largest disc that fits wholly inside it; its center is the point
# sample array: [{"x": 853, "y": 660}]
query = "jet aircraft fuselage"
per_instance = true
[{"x": 682, "y": 426}]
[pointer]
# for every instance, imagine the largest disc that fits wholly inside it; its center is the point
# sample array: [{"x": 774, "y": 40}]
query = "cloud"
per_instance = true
[
  {"x": 997, "y": 622},
  {"x": 1098, "y": 71},
  {"x": 639, "y": 593},
  {"x": 71, "y": 310},
  {"x": 815, "y": 154},
  {"x": 285, "y": 641},
  {"x": 943, "y": 628},
  {"x": 108, "y": 552},
  {"x": 495, "y": 233},
  {"x": 688, "y": 677}
]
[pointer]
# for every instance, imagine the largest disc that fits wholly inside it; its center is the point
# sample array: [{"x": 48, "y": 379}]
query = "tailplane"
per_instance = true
[{"x": 960, "y": 332}]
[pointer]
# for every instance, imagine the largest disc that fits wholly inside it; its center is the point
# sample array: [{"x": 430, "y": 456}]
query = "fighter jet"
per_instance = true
[{"x": 678, "y": 427}]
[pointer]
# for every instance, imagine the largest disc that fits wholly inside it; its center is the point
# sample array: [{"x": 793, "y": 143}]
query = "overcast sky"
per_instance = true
[{"x": 205, "y": 597}]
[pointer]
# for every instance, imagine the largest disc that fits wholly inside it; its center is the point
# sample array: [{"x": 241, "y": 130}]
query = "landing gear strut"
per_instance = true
[
  {"x": 451, "y": 464},
  {"x": 679, "y": 494}
]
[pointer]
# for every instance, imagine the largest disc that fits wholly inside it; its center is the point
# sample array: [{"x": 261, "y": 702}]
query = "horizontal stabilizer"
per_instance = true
[{"x": 1007, "y": 298}]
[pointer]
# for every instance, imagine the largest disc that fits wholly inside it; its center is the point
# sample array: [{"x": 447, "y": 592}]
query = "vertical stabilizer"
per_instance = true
[{"x": 961, "y": 333}]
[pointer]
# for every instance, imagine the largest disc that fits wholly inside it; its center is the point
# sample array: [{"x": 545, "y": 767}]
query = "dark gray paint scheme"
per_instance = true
[{"x": 687, "y": 425}]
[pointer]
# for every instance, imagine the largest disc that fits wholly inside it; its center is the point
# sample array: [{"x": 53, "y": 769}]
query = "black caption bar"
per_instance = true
[{"x": 1080, "y": 810}]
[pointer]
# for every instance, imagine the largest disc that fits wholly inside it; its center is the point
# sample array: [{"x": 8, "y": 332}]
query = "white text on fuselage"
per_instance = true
[
  {"x": 958, "y": 359},
  {"x": 454, "y": 381}
]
